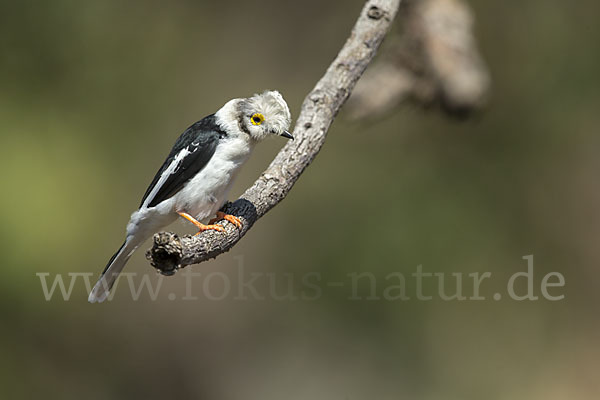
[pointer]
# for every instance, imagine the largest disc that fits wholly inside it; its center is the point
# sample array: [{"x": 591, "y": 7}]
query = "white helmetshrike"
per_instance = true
[{"x": 194, "y": 180}]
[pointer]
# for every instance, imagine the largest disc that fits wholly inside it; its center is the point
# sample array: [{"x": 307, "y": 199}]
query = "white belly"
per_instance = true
[
  {"x": 205, "y": 193},
  {"x": 202, "y": 196}
]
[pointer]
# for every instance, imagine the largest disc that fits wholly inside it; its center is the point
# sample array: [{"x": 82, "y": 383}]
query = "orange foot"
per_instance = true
[
  {"x": 227, "y": 217},
  {"x": 201, "y": 227}
]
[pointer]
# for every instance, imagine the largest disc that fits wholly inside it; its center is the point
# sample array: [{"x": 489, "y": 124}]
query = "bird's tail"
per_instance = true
[{"x": 113, "y": 269}]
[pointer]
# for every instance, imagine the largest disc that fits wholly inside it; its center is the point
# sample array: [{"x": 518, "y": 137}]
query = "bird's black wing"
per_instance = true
[{"x": 190, "y": 154}]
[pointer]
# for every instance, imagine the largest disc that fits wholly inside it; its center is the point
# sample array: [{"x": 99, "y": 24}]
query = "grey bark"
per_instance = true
[
  {"x": 431, "y": 59},
  {"x": 171, "y": 252}
]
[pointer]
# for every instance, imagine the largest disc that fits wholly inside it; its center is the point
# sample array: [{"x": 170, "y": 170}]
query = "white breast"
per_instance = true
[{"x": 206, "y": 192}]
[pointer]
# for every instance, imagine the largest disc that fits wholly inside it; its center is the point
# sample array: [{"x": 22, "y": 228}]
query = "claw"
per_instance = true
[
  {"x": 227, "y": 217},
  {"x": 234, "y": 220},
  {"x": 209, "y": 227},
  {"x": 201, "y": 227}
]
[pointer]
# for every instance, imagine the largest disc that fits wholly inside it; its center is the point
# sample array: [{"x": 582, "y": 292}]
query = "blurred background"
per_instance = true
[{"x": 93, "y": 95}]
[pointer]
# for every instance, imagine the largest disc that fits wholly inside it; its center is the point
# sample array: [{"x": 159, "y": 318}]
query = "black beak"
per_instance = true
[{"x": 288, "y": 135}]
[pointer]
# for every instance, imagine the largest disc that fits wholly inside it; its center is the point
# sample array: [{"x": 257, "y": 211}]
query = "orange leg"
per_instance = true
[
  {"x": 201, "y": 227},
  {"x": 227, "y": 217}
]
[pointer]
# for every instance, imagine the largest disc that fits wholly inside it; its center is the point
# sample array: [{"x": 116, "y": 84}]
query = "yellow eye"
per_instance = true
[{"x": 257, "y": 119}]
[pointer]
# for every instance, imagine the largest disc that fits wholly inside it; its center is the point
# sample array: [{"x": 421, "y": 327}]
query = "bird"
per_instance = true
[{"x": 194, "y": 180}]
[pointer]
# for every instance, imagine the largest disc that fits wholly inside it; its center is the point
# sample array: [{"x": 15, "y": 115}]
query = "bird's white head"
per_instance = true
[{"x": 264, "y": 114}]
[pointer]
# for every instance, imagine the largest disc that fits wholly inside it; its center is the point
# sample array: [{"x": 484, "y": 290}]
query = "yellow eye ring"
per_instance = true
[{"x": 257, "y": 119}]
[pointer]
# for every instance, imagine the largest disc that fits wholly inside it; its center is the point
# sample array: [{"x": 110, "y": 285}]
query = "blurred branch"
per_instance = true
[
  {"x": 433, "y": 59},
  {"x": 171, "y": 252}
]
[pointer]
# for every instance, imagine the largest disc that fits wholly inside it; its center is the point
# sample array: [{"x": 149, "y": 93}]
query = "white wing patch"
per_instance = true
[{"x": 171, "y": 169}]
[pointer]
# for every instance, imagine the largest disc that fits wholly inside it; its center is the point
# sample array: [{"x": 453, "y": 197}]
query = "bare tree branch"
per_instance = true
[
  {"x": 171, "y": 252},
  {"x": 432, "y": 59}
]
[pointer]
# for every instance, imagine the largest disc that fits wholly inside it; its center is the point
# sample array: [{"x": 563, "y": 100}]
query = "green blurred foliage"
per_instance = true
[{"x": 93, "y": 94}]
